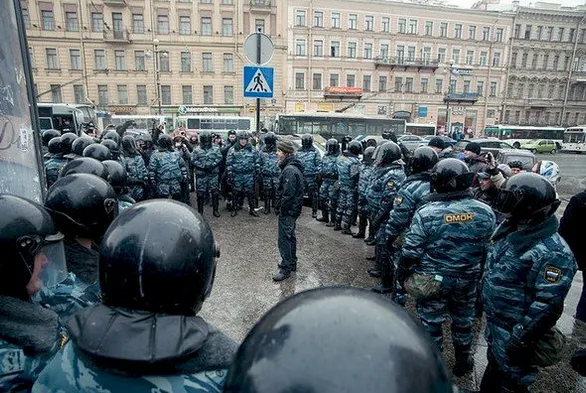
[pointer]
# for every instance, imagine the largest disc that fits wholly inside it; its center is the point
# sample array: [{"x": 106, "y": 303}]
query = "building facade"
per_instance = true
[{"x": 149, "y": 57}]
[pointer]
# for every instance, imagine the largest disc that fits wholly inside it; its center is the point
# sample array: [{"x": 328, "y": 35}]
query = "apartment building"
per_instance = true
[{"x": 148, "y": 57}]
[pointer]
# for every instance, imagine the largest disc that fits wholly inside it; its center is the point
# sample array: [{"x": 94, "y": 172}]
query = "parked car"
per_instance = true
[
  {"x": 412, "y": 142},
  {"x": 540, "y": 146},
  {"x": 447, "y": 140},
  {"x": 526, "y": 157},
  {"x": 486, "y": 145}
]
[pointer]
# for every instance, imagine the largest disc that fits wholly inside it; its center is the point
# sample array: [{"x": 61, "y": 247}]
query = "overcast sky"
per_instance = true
[{"x": 468, "y": 3}]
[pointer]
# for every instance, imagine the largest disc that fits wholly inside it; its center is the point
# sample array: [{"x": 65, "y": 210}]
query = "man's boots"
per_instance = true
[
  {"x": 361, "y": 227},
  {"x": 338, "y": 224},
  {"x": 267, "y": 207},
  {"x": 346, "y": 229},
  {"x": 324, "y": 215},
  {"x": 251, "y": 205},
  {"x": 464, "y": 363},
  {"x": 200, "y": 202},
  {"x": 375, "y": 271},
  {"x": 387, "y": 272},
  {"x": 215, "y": 204}
]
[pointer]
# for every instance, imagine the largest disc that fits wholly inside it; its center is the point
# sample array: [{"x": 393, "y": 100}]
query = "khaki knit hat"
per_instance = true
[{"x": 286, "y": 146}]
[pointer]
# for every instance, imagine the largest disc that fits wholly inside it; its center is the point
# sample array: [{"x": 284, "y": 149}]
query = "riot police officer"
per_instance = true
[
  {"x": 225, "y": 187},
  {"x": 67, "y": 140},
  {"x": 167, "y": 170},
  {"x": 366, "y": 170},
  {"x": 78, "y": 146},
  {"x": 135, "y": 168},
  {"x": 206, "y": 160},
  {"x": 85, "y": 165},
  {"x": 98, "y": 152},
  {"x": 46, "y": 137},
  {"x": 242, "y": 168},
  {"x": 54, "y": 161},
  {"x": 269, "y": 164},
  {"x": 348, "y": 171},
  {"x": 117, "y": 178},
  {"x": 329, "y": 191},
  {"x": 311, "y": 161}
]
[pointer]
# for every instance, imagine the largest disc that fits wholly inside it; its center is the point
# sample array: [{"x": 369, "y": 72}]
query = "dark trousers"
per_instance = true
[
  {"x": 495, "y": 380},
  {"x": 287, "y": 242},
  {"x": 581, "y": 309}
]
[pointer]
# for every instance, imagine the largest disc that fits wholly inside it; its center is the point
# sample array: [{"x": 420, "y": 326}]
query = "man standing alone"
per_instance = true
[{"x": 288, "y": 204}]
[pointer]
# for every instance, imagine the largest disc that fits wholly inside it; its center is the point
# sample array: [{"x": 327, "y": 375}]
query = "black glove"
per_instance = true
[
  {"x": 405, "y": 268},
  {"x": 517, "y": 349},
  {"x": 391, "y": 242}
]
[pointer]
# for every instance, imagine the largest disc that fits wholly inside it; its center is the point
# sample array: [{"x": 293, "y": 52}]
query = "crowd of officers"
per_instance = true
[{"x": 99, "y": 293}]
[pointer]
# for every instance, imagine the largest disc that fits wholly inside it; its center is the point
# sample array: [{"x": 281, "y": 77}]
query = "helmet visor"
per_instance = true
[
  {"x": 506, "y": 201},
  {"x": 52, "y": 256}
]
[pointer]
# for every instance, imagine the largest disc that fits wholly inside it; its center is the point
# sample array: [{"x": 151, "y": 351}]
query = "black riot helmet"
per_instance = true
[
  {"x": 54, "y": 146},
  {"x": 144, "y": 139},
  {"x": 48, "y": 135},
  {"x": 377, "y": 150},
  {"x": 389, "y": 136},
  {"x": 85, "y": 165},
  {"x": 205, "y": 138},
  {"x": 112, "y": 135},
  {"x": 306, "y": 141},
  {"x": 67, "y": 141},
  {"x": 367, "y": 155},
  {"x": 27, "y": 231},
  {"x": 271, "y": 139},
  {"x": 423, "y": 159},
  {"x": 332, "y": 340},
  {"x": 116, "y": 175},
  {"x": 527, "y": 196},
  {"x": 80, "y": 144},
  {"x": 82, "y": 205},
  {"x": 242, "y": 135},
  {"x": 388, "y": 153},
  {"x": 128, "y": 144},
  {"x": 165, "y": 142},
  {"x": 355, "y": 147},
  {"x": 98, "y": 152},
  {"x": 451, "y": 175},
  {"x": 159, "y": 256},
  {"x": 112, "y": 146},
  {"x": 332, "y": 146}
]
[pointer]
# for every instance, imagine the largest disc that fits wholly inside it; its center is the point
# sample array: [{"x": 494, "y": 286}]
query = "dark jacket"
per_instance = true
[
  {"x": 289, "y": 194},
  {"x": 571, "y": 226}
]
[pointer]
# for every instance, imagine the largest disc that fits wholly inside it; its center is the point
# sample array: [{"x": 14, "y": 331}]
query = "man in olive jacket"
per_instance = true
[{"x": 288, "y": 205}]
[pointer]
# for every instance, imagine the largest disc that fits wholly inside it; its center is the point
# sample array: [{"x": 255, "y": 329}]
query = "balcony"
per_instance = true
[
  {"x": 579, "y": 76},
  {"x": 342, "y": 92},
  {"x": 115, "y": 3},
  {"x": 461, "y": 98},
  {"x": 538, "y": 103},
  {"x": 260, "y": 6},
  {"x": 406, "y": 63},
  {"x": 117, "y": 36}
]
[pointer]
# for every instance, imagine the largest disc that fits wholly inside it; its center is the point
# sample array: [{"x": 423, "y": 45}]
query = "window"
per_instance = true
[
  {"x": 384, "y": 51},
  {"x": 456, "y": 55},
  {"x": 469, "y": 57},
  {"x": 530, "y": 90},
  {"x": 117, "y": 27},
  {"x": 187, "y": 94},
  {"x": 500, "y": 32},
  {"x": 335, "y": 20},
  {"x": 318, "y": 19},
  {"x": 443, "y": 29},
  {"x": 492, "y": 89},
  {"x": 424, "y": 84},
  {"x": 545, "y": 62},
  {"x": 78, "y": 94},
  {"x": 164, "y": 61},
  {"x": 259, "y": 25},
  {"x": 398, "y": 84},
  {"x": 485, "y": 33},
  {"x": 141, "y": 95},
  {"x": 229, "y": 95},
  {"x": 582, "y": 35},
  {"x": 571, "y": 34},
  {"x": 138, "y": 23},
  {"x": 400, "y": 54},
  {"x": 316, "y": 81},
  {"x": 520, "y": 90},
  {"x": 318, "y": 48},
  {"x": 466, "y": 86},
  {"x": 567, "y": 63},
  {"x": 52, "y": 61},
  {"x": 139, "y": 60},
  {"x": 206, "y": 26},
  {"x": 507, "y": 115},
  {"x": 75, "y": 59},
  {"x": 335, "y": 49},
  {"x": 165, "y": 94},
  {"x": 367, "y": 50},
  {"x": 350, "y": 80},
  {"x": 408, "y": 85},
  {"x": 97, "y": 22},
  {"x": 453, "y": 84},
  {"x": 27, "y": 18},
  {"x": 427, "y": 55},
  {"x": 184, "y": 25},
  {"x": 48, "y": 20},
  {"x": 457, "y": 30},
  {"x": 228, "y": 65},
  {"x": 207, "y": 62},
  {"x": 385, "y": 24},
  {"x": 472, "y": 32},
  {"x": 185, "y": 61},
  {"x": 300, "y": 18},
  {"x": 534, "y": 61},
  {"x": 517, "y": 32},
  {"x": 412, "y": 26},
  {"x": 56, "y": 93},
  {"x": 561, "y": 34},
  {"x": 441, "y": 55},
  {"x": 382, "y": 84},
  {"x": 549, "y": 33},
  {"x": 103, "y": 98},
  {"x": 528, "y": 32},
  {"x": 369, "y": 23},
  {"x": 402, "y": 25},
  {"x": 524, "y": 60},
  {"x": 556, "y": 62},
  {"x": 300, "y": 47},
  {"x": 538, "y": 33},
  {"x": 227, "y": 27},
  {"x": 71, "y": 21},
  {"x": 428, "y": 28},
  {"x": 514, "y": 60},
  {"x": 480, "y": 88},
  {"x": 120, "y": 60},
  {"x": 366, "y": 79},
  {"x": 496, "y": 59},
  {"x": 352, "y": 50},
  {"x": 490, "y": 113},
  {"x": 163, "y": 24},
  {"x": 122, "y": 94},
  {"x": 483, "y": 58},
  {"x": 334, "y": 80},
  {"x": 410, "y": 53},
  {"x": 352, "y": 21},
  {"x": 299, "y": 81},
  {"x": 439, "y": 86}
]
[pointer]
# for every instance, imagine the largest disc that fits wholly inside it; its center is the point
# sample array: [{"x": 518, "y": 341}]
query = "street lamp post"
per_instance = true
[
  {"x": 157, "y": 74},
  {"x": 448, "y": 120}
]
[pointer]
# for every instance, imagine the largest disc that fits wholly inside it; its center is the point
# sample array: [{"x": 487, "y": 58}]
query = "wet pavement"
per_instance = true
[{"x": 243, "y": 290}]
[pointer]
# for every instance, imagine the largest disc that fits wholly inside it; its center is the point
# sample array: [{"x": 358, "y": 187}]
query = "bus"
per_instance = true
[
  {"x": 574, "y": 139},
  {"x": 420, "y": 129},
  {"x": 60, "y": 117},
  {"x": 517, "y": 135},
  {"x": 143, "y": 123},
  {"x": 336, "y": 125},
  {"x": 219, "y": 125}
]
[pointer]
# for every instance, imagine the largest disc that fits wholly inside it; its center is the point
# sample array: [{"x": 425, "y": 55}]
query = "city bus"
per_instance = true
[
  {"x": 518, "y": 135},
  {"x": 219, "y": 125},
  {"x": 574, "y": 139},
  {"x": 60, "y": 117},
  {"x": 420, "y": 129},
  {"x": 336, "y": 125},
  {"x": 143, "y": 123}
]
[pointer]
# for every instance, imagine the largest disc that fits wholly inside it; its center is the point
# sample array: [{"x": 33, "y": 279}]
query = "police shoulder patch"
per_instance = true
[
  {"x": 552, "y": 274},
  {"x": 455, "y": 218},
  {"x": 398, "y": 201}
]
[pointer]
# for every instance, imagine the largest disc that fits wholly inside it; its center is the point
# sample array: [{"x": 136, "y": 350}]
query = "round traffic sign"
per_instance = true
[{"x": 251, "y": 48}]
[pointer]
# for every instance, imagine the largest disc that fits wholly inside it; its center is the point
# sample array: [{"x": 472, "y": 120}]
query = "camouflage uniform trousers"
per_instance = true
[
  {"x": 312, "y": 191},
  {"x": 457, "y": 300},
  {"x": 269, "y": 186},
  {"x": 329, "y": 194},
  {"x": 207, "y": 183},
  {"x": 347, "y": 204}
]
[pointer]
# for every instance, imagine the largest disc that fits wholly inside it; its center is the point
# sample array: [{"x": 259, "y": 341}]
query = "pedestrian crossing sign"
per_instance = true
[{"x": 258, "y": 82}]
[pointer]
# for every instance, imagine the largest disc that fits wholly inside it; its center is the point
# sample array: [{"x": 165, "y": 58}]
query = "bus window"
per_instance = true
[{"x": 46, "y": 124}]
